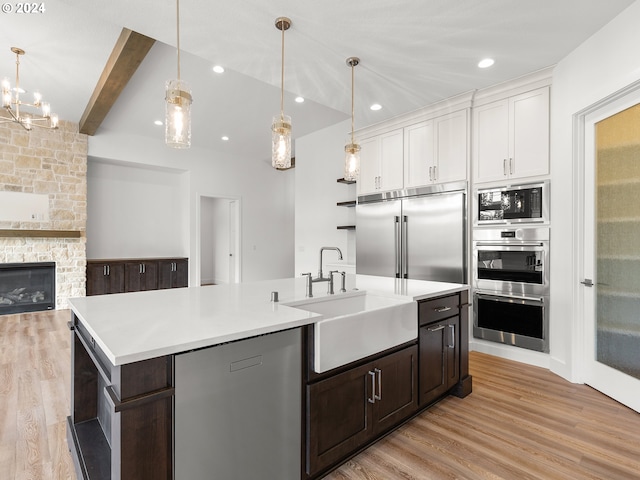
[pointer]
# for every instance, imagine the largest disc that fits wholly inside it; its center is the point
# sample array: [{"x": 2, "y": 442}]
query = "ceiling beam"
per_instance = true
[{"x": 127, "y": 55}]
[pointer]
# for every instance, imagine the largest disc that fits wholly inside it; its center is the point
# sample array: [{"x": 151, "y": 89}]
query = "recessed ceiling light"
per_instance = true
[
  {"x": 299, "y": 99},
  {"x": 218, "y": 69},
  {"x": 485, "y": 63},
  {"x": 225, "y": 138},
  {"x": 158, "y": 122},
  {"x": 375, "y": 106}
]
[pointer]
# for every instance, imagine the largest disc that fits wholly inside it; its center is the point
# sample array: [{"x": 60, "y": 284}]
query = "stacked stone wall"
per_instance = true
[{"x": 52, "y": 163}]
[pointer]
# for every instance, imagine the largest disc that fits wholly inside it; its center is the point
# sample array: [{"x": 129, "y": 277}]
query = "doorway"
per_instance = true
[
  {"x": 610, "y": 281},
  {"x": 219, "y": 240}
]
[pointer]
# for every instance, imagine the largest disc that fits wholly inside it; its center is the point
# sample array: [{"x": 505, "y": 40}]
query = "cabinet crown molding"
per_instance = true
[
  {"x": 443, "y": 107},
  {"x": 516, "y": 86}
]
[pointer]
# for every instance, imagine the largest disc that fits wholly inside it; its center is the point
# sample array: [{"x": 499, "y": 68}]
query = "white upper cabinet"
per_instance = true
[
  {"x": 381, "y": 166},
  {"x": 419, "y": 154},
  {"x": 451, "y": 147},
  {"x": 433, "y": 151},
  {"x": 511, "y": 137}
]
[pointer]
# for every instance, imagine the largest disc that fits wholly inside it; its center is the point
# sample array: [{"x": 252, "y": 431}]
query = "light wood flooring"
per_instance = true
[{"x": 520, "y": 422}]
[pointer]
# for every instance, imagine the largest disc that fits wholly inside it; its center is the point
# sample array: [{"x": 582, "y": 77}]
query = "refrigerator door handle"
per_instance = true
[
  {"x": 405, "y": 250},
  {"x": 398, "y": 243}
]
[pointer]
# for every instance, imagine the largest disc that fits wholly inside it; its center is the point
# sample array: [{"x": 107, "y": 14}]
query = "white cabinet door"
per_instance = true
[
  {"x": 381, "y": 163},
  {"x": 511, "y": 137},
  {"x": 369, "y": 166},
  {"x": 418, "y": 154},
  {"x": 450, "y": 163},
  {"x": 392, "y": 157},
  {"x": 529, "y": 134},
  {"x": 491, "y": 141}
]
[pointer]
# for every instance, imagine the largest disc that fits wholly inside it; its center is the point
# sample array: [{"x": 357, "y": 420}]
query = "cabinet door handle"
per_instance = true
[
  {"x": 435, "y": 329},
  {"x": 511, "y": 166},
  {"x": 104, "y": 270},
  {"x": 504, "y": 166},
  {"x": 453, "y": 336},
  {"x": 442, "y": 309},
  {"x": 435, "y": 173},
  {"x": 430, "y": 174},
  {"x": 140, "y": 269},
  {"x": 379, "y": 395},
  {"x": 373, "y": 387}
]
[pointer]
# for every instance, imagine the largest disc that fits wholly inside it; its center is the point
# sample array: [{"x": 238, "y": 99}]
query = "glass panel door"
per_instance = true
[
  {"x": 617, "y": 183},
  {"x": 611, "y": 241}
]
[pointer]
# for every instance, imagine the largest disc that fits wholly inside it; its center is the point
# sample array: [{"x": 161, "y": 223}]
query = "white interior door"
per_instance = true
[{"x": 611, "y": 284}]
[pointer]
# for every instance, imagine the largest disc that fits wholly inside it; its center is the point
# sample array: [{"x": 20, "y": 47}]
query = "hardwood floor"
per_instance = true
[
  {"x": 520, "y": 422},
  {"x": 34, "y": 396}
]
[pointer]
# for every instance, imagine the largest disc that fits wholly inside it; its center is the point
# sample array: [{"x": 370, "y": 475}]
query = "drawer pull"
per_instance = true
[
  {"x": 435, "y": 329},
  {"x": 442, "y": 309}
]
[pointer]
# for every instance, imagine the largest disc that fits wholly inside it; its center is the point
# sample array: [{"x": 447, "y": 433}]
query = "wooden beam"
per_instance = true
[{"x": 127, "y": 55}]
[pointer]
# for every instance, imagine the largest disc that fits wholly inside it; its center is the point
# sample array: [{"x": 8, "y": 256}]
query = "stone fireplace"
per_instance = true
[{"x": 49, "y": 166}]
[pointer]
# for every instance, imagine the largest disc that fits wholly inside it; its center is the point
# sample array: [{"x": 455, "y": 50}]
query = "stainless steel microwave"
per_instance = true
[{"x": 527, "y": 203}]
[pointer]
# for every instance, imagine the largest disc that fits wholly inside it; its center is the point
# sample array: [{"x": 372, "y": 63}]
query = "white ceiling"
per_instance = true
[{"x": 413, "y": 53}]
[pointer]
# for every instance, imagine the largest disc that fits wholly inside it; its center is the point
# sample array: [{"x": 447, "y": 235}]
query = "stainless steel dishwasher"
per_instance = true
[{"x": 237, "y": 410}]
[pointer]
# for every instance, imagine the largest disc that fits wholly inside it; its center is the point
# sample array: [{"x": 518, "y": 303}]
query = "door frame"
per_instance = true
[
  {"x": 235, "y": 216},
  {"x": 583, "y": 344}
]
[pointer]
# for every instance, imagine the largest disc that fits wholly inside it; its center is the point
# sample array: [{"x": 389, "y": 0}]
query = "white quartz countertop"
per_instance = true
[{"x": 131, "y": 327}]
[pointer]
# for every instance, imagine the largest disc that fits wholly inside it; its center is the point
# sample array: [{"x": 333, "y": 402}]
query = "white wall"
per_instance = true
[
  {"x": 601, "y": 66},
  {"x": 134, "y": 212},
  {"x": 319, "y": 163},
  {"x": 266, "y": 196}
]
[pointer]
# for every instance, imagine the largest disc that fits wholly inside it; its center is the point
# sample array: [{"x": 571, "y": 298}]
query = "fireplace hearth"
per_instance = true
[{"x": 27, "y": 287}]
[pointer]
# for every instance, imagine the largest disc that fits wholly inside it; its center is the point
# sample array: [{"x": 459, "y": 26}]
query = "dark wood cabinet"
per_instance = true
[
  {"x": 443, "y": 340},
  {"x": 134, "y": 275},
  {"x": 351, "y": 409},
  {"x": 105, "y": 277},
  {"x": 173, "y": 273},
  {"x": 439, "y": 365},
  {"x": 141, "y": 275},
  {"x": 121, "y": 422}
]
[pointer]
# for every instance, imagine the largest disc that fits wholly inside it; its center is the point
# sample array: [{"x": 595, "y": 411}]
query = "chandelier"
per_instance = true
[
  {"x": 281, "y": 126},
  {"x": 28, "y": 115},
  {"x": 352, "y": 149},
  {"x": 178, "y": 100}
]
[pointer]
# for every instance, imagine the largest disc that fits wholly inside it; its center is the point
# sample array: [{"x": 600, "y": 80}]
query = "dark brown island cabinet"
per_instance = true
[
  {"x": 122, "y": 423},
  {"x": 348, "y": 408},
  {"x": 136, "y": 274}
]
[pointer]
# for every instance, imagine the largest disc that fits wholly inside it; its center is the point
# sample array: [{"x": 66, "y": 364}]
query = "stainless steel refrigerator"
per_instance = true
[{"x": 418, "y": 233}]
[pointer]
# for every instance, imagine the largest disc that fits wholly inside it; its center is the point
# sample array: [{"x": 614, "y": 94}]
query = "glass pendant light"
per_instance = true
[
  {"x": 352, "y": 150},
  {"x": 281, "y": 126},
  {"x": 178, "y": 104}
]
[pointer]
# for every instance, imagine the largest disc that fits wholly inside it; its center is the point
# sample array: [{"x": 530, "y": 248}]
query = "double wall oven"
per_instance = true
[{"x": 511, "y": 268}]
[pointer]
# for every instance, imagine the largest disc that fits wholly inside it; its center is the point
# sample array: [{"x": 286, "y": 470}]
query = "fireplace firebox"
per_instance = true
[{"x": 27, "y": 287}]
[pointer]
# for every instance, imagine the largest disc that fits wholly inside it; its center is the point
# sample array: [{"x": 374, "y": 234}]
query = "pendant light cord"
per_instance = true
[
  {"x": 282, "y": 77},
  {"x": 178, "y": 33},
  {"x": 352, "y": 100}
]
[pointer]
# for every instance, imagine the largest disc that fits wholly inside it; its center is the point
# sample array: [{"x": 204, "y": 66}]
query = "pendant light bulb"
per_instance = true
[
  {"x": 177, "y": 104},
  {"x": 352, "y": 149},
  {"x": 281, "y": 125}
]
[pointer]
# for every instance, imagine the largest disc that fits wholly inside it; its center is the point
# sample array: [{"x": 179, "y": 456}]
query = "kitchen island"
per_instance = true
[{"x": 221, "y": 380}]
